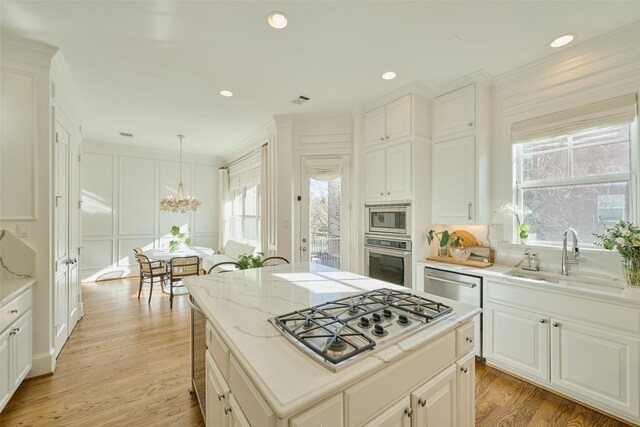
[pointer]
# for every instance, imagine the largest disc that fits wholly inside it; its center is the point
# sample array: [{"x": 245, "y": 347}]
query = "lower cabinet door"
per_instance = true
[
  {"x": 434, "y": 403},
  {"x": 598, "y": 365},
  {"x": 217, "y": 394},
  {"x": 327, "y": 413},
  {"x": 5, "y": 375},
  {"x": 21, "y": 349},
  {"x": 517, "y": 339},
  {"x": 466, "y": 373},
  {"x": 235, "y": 415},
  {"x": 398, "y": 415}
]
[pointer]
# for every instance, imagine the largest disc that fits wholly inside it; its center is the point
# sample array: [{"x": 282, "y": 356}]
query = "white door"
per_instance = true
[
  {"x": 434, "y": 403},
  {"x": 398, "y": 118},
  {"x": 74, "y": 234},
  {"x": 599, "y": 365},
  {"x": 374, "y": 126},
  {"x": 466, "y": 372},
  {"x": 375, "y": 166},
  {"x": 5, "y": 373},
  {"x": 399, "y": 415},
  {"x": 324, "y": 235},
  {"x": 517, "y": 339},
  {"x": 61, "y": 241},
  {"x": 399, "y": 170},
  {"x": 455, "y": 111}
]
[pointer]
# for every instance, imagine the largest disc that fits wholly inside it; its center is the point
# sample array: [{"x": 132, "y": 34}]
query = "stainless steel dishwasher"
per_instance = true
[{"x": 461, "y": 287}]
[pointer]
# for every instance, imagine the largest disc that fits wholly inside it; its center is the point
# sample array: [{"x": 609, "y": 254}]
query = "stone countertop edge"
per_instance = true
[
  {"x": 339, "y": 380},
  {"x": 628, "y": 296},
  {"x": 9, "y": 289}
]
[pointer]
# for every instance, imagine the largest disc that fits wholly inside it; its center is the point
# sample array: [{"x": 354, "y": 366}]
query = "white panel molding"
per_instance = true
[
  {"x": 324, "y": 140},
  {"x": 107, "y": 251},
  {"x": 88, "y": 168},
  {"x": 135, "y": 187},
  {"x": 27, "y": 173}
]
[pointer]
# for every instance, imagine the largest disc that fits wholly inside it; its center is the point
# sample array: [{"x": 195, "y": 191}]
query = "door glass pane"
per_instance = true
[
  {"x": 324, "y": 222},
  {"x": 387, "y": 267}
]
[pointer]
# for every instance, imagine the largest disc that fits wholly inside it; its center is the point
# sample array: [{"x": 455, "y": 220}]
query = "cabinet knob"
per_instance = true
[
  {"x": 14, "y": 311},
  {"x": 381, "y": 138},
  {"x": 422, "y": 402},
  {"x": 464, "y": 369},
  {"x": 543, "y": 321},
  {"x": 468, "y": 339},
  {"x": 408, "y": 411},
  {"x": 388, "y": 193},
  {"x": 555, "y": 324},
  {"x": 470, "y": 124},
  {"x": 227, "y": 409},
  {"x": 16, "y": 329},
  {"x": 220, "y": 397},
  {"x": 387, "y": 137},
  {"x": 12, "y": 333},
  {"x": 382, "y": 193}
]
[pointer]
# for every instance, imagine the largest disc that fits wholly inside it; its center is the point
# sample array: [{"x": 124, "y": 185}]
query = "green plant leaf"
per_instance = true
[
  {"x": 175, "y": 230},
  {"x": 445, "y": 239}
]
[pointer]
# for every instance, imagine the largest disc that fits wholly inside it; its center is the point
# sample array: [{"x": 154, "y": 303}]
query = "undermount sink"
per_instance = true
[{"x": 558, "y": 279}]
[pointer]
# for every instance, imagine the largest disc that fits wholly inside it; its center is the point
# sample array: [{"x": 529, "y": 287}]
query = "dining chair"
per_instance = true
[
  {"x": 221, "y": 269},
  {"x": 179, "y": 268},
  {"x": 274, "y": 260},
  {"x": 150, "y": 271}
]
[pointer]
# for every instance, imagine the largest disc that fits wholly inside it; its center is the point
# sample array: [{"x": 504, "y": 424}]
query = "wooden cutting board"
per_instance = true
[
  {"x": 467, "y": 238},
  {"x": 468, "y": 263}
]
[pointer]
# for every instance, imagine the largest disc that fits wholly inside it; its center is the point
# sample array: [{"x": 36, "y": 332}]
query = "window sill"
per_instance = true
[{"x": 553, "y": 246}]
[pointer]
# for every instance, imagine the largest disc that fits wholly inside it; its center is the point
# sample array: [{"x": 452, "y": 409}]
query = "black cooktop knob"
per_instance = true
[
  {"x": 379, "y": 331},
  {"x": 403, "y": 320},
  {"x": 376, "y": 317},
  {"x": 364, "y": 322},
  {"x": 387, "y": 313}
]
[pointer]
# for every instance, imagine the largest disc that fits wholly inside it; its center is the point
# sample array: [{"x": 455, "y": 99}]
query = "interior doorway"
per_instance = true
[{"x": 324, "y": 236}]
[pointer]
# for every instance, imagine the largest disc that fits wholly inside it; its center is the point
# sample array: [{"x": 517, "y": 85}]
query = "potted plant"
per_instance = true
[
  {"x": 625, "y": 237},
  {"x": 250, "y": 261},
  {"x": 445, "y": 239},
  {"x": 182, "y": 239},
  {"x": 523, "y": 227}
]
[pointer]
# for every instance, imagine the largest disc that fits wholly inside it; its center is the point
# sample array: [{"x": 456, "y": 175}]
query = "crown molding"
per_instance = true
[
  {"x": 479, "y": 76},
  {"x": 30, "y": 51},
  {"x": 415, "y": 87}
]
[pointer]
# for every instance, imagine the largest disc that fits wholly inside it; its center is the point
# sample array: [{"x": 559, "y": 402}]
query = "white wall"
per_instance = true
[{"x": 121, "y": 191}]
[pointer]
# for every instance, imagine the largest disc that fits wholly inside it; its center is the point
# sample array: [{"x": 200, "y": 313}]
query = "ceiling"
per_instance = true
[{"x": 155, "y": 68}]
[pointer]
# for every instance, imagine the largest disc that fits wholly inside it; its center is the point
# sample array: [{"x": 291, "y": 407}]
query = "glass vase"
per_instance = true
[
  {"x": 442, "y": 252},
  {"x": 631, "y": 270}
]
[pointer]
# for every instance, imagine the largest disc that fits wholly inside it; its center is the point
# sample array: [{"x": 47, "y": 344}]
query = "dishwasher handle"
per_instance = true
[
  {"x": 453, "y": 282},
  {"x": 195, "y": 307}
]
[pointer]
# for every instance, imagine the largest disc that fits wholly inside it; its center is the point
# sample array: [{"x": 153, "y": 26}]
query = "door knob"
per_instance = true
[
  {"x": 304, "y": 249},
  {"x": 408, "y": 411},
  {"x": 464, "y": 369},
  {"x": 555, "y": 324},
  {"x": 422, "y": 402},
  {"x": 543, "y": 321},
  {"x": 304, "y": 240}
]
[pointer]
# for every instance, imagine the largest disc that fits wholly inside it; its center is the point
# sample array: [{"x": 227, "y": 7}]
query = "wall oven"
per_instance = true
[
  {"x": 388, "y": 219},
  {"x": 388, "y": 258},
  {"x": 198, "y": 355}
]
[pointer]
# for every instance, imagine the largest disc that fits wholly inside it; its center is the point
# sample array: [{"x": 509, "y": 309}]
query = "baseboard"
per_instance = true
[{"x": 42, "y": 364}]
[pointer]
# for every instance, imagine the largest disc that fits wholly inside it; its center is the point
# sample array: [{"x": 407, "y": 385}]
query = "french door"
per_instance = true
[{"x": 324, "y": 234}]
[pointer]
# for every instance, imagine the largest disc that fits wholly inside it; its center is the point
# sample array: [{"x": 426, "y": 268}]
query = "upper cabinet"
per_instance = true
[
  {"x": 460, "y": 155},
  {"x": 455, "y": 111},
  {"x": 388, "y": 171},
  {"x": 389, "y": 122}
]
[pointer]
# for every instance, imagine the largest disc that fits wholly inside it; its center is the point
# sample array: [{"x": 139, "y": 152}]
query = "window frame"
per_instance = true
[
  {"x": 243, "y": 216},
  {"x": 631, "y": 177}
]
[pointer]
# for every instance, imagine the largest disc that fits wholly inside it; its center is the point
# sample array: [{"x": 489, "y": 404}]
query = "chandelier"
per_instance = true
[{"x": 180, "y": 203}]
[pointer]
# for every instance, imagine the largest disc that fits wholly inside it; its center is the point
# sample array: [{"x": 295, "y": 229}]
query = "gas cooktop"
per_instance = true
[{"x": 337, "y": 332}]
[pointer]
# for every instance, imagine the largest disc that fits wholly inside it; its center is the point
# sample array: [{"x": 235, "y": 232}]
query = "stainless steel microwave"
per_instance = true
[{"x": 389, "y": 219}]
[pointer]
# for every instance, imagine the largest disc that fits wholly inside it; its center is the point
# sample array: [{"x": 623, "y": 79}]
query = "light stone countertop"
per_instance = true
[
  {"x": 627, "y": 295},
  {"x": 9, "y": 289},
  {"x": 239, "y": 304}
]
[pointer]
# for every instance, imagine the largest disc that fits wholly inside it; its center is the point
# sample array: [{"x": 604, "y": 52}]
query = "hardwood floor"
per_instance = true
[
  {"x": 127, "y": 364},
  {"x": 506, "y": 401}
]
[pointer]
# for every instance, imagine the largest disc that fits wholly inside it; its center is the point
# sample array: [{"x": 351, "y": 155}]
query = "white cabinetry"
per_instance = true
[
  {"x": 328, "y": 413},
  {"x": 398, "y": 415},
  {"x": 222, "y": 407},
  {"x": 557, "y": 341},
  {"x": 388, "y": 122},
  {"x": 15, "y": 344},
  {"x": 466, "y": 374},
  {"x": 454, "y": 111},
  {"x": 434, "y": 403},
  {"x": 455, "y": 190},
  {"x": 460, "y": 186},
  {"x": 388, "y": 171}
]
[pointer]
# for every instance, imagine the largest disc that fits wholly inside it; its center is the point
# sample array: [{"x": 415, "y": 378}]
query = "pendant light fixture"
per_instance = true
[{"x": 180, "y": 203}]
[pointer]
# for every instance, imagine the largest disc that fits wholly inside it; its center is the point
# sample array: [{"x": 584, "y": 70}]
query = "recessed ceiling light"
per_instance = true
[
  {"x": 562, "y": 40},
  {"x": 225, "y": 92},
  {"x": 277, "y": 20},
  {"x": 389, "y": 75}
]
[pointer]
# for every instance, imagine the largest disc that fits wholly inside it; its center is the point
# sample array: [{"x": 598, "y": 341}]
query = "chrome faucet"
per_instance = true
[{"x": 566, "y": 259}]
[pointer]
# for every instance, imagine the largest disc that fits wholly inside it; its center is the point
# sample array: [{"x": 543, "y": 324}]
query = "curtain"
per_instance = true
[
  {"x": 223, "y": 192},
  {"x": 324, "y": 169},
  {"x": 264, "y": 200},
  {"x": 614, "y": 111}
]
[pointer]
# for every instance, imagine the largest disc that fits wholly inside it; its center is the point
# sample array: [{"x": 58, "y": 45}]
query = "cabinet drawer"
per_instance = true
[
  {"x": 218, "y": 350},
  {"x": 253, "y": 406},
  {"x": 594, "y": 313},
  {"x": 464, "y": 338},
  {"x": 14, "y": 309},
  {"x": 327, "y": 413},
  {"x": 382, "y": 389}
]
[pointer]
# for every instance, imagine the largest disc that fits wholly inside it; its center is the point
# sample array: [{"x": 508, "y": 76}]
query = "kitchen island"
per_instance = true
[{"x": 255, "y": 376}]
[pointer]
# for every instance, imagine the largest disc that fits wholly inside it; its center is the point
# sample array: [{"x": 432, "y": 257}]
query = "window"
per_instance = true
[
  {"x": 243, "y": 219},
  {"x": 579, "y": 180}
]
